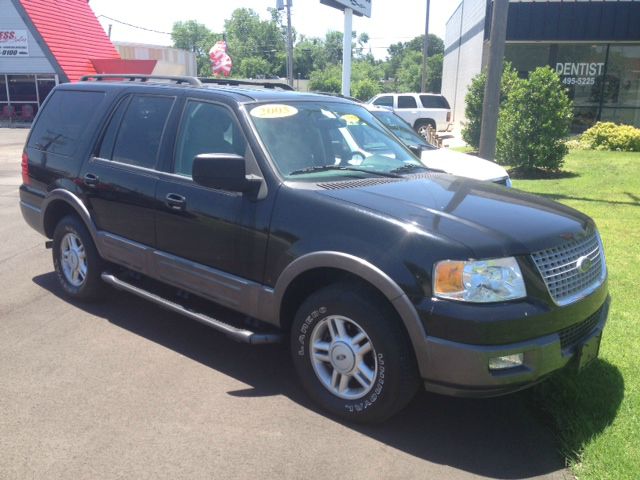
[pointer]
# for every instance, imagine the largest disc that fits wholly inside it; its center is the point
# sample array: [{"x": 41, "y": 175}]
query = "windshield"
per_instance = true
[
  {"x": 318, "y": 141},
  {"x": 402, "y": 129}
]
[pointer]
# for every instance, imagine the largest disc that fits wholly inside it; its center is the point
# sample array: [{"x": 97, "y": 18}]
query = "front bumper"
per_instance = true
[{"x": 461, "y": 369}]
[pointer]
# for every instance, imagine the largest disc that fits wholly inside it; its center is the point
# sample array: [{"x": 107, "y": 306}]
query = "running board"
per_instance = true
[{"x": 239, "y": 334}]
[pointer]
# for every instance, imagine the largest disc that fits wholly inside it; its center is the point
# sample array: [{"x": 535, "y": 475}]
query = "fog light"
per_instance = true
[{"x": 508, "y": 361}]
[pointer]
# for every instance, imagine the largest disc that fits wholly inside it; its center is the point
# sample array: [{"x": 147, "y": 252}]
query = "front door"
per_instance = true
[{"x": 210, "y": 239}]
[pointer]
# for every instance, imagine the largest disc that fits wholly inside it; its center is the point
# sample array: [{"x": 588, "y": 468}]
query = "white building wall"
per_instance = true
[
  {"x": 464, "y": 44},
  {"x": 36, "y": 62},
  {"x": 171, "y": 61}
]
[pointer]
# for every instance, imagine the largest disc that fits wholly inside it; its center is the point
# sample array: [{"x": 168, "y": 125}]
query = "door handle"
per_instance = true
[
  {"x": 91, "y": 180},
  {"x": 175, "y": 201}
]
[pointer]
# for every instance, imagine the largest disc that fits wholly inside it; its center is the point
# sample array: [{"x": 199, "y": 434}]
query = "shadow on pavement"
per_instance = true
[{"x": 496, "y": 438}]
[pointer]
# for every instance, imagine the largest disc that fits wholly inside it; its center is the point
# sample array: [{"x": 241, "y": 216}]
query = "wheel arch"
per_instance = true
[
  {"x": 300, "y": 277},
  {"x": 58, "y": 204}
]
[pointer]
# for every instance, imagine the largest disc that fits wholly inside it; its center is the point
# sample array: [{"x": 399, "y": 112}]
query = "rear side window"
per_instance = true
[
  {"x": 434, "y": 101},
  {"x": 405, "y": 101},
  {"x": 385, "y": 101},
  {"x": 63, "y": 121},
  {"x": 135, "y": 131}
]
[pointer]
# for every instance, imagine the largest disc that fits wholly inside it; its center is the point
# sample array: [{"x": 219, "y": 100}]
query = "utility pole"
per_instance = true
[
  {"x": 425, "y": 50},
  {"x": 289, "y": 46},
  {"x": 491, "y": 103},
  {"x": 346, "y": 52},
  {"x": 280, "y": 5}
]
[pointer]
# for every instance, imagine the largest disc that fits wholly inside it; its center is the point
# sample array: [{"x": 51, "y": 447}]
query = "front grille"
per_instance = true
[
  {"x": 559, "y": 267},
  {"x": 573, "y": 335}
]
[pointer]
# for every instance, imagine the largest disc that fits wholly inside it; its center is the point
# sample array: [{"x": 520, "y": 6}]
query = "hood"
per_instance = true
[
  {"x": 490, "y": 220},
  {"x": 463, "y": 165}
]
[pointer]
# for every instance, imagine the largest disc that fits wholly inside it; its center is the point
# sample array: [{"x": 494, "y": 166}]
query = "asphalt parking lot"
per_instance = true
[{"x": 124, "y": 389}]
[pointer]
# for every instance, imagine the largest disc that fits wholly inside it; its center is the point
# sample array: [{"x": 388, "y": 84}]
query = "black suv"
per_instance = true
[{"x": 269, "y": 214}]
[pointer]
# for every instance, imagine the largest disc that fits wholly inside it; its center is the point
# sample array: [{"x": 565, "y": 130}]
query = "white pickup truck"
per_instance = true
[{"x": 420, "y": 110}]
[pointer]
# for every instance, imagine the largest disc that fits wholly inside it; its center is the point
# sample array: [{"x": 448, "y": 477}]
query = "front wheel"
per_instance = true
[{"x": 353, "y": 355}]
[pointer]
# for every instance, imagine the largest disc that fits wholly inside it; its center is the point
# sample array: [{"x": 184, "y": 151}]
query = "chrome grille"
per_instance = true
[{"x": 559, "y": 268}]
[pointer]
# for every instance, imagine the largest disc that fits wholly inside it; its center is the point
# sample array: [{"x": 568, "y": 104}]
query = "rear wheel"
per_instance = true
[
  {"x": 76, "y": 260},
  {"x": 352, "y": 354},
  {"x": 422, "y": 127}
]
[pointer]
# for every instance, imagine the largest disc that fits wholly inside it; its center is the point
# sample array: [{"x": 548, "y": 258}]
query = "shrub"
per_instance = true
[
  {"x": 475, "y": 98},
  {"x": 534, "y": 122},
  {"x": 609, "y": 136}
]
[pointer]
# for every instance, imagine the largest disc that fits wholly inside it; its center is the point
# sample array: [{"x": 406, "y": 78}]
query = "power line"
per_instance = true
[{"x": 134, "y": 26}]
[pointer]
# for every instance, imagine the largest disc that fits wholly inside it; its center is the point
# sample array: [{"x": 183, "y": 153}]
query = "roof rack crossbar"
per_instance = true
[
  {"x": 142, "y": 78},
  {"x": 232, "y": 82}
]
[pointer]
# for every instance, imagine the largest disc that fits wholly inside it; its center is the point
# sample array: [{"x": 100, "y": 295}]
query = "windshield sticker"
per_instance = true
[
  {"x": 351, "y": 119},
  {"x": 273, "y": 110}
]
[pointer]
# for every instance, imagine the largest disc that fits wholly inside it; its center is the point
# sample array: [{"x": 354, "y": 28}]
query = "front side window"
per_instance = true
[
  {"x": 206, "y": 128},
  {"x": 384, "y": 101},
  {"x": 138, "y": 134},
  {"x": 318, "y": 141},
  {"x": 406, "y": 101}
]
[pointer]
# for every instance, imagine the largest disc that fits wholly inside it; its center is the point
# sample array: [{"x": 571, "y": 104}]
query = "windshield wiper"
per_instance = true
[
  {"x": 410, "y": 167},
  {"x": 325, "y": 168}
]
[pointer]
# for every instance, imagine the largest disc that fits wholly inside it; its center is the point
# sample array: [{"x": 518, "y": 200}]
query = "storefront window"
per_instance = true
[
  {"x": 45, "y": 85},
  {"x": 581, "y": 68},
  {"x": 22, "y": 88},
  {"x": 3, "y": 88},
  {"x": 526, "y": 57}
]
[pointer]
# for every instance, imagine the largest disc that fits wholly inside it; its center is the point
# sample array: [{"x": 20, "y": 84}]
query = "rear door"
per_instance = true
[
  {"x": 120, "y": 178},
  {"x": 407, "y": 108}
]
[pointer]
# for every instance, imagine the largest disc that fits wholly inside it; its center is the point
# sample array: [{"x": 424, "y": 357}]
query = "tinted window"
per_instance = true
[
  {"x": 206, "y": 128},
  {"x": 386, "y": 101},
  {"x": 109, "y": 139},
  {"x": 405, "y": 101},
  {"x": 140, "y": 132},
  {"x": 64, "y": 120},
  {"x": 434, "y": 101}
]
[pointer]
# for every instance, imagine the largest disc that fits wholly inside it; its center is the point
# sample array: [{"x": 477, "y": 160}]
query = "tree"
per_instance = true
[
  {"x": 534, "y": 122},
  {"x": 253, "y": 67},
  {"x": 404, "y": 65},
  {"x": 248, "y": 36},
  {"x": 197, "y": 38},
  {"x": 475, "y": 98}
]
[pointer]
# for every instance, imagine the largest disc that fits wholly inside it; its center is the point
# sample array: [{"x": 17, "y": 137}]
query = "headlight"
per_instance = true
[
  {"x": 509, "y": 183},
  {"x": 479, "y": 281}
]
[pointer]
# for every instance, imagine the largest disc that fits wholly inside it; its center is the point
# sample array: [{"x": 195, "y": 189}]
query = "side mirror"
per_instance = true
[
  {"x": 416, "y": 150},
  {"x": 224, "y": 171}
]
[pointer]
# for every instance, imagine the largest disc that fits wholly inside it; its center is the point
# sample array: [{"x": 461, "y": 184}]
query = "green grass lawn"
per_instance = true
[{"x": 596, "y": 415}]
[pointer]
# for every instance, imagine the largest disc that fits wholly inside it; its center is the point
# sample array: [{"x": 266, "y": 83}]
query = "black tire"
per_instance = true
[
  {"x": 422, "y": 124},
  {"x": 91, "y": 287},
  {"x": 396, "y": 377}
]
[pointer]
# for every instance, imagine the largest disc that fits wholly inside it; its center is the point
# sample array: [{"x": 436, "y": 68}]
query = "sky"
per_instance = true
[{"x": 389, "y": 23}]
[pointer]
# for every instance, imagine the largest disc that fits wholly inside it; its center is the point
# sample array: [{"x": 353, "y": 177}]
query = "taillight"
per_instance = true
[
  {"x": 25, "y": 169},
  {"x": 448, "y": 117}
]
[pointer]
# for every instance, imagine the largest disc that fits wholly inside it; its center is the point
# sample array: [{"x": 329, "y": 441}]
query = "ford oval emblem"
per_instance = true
[{"x": 584, "y": 264}]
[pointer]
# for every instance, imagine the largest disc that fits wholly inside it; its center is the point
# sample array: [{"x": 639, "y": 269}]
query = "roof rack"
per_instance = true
[
  {"x": 235, "y": 83},
  {"x": 142, "y": 78}
]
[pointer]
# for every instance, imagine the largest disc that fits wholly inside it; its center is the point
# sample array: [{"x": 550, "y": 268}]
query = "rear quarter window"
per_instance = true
[
  {"x": 434, "y": 101},
  {"x": 64, "y": 120}
]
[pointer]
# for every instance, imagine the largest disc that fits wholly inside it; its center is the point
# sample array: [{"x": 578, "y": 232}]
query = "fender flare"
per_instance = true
[
  {"x": 366, "y": 271},
  {"x": 60, "y": 194}
]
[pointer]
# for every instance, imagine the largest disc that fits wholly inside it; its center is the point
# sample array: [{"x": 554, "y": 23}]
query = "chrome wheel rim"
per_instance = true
[
  {"x": 343, "y": 357},
  {"x": 423, "y": 130},
  {"x": 73, "y": 259}
]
